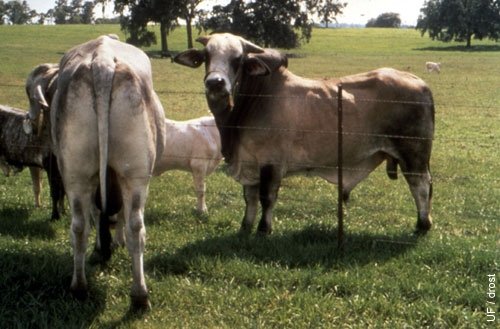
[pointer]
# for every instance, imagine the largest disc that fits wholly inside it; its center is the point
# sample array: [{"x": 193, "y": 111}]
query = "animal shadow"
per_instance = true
[
  {"x": 312, "y": 246},
  {"x": 35, "y": 287},
  {"x": 16, "y": 222}
]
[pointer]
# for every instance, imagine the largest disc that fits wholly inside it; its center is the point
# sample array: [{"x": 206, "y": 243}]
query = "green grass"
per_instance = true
[{"x": 202, "y": 274}]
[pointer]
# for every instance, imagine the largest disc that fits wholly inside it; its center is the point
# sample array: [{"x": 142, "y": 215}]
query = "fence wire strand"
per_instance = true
[{"x": 492, "y": 138}]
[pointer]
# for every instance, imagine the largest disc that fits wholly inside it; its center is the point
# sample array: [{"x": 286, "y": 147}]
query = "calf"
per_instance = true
[
  {"x": 19, "y": 150},
  {"x": 433, "y": 67},
  {"x": 193, "y": 146}
]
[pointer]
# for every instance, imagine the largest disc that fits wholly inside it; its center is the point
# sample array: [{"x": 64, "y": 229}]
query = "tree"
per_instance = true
[
  {"x": 328, "y": 9},
  {"x": 272, "y": 23},
  {"x": 61, "y": 12},
  {"x": 233, "y": 17},
  {"x": 189, "y": 12},
  {"x": 136, "y": 23},
  {"x": 87, "y": 13},
  {"x": 103, "y": 4},
  {"x": 78, "y": 12},
  {"x": 74, "y": 12},
  {"x": 18, "y": 12},
  {"x": 275, "y": 23},
  {"x": 460, "y": 20},
  {"x": 142, "y": 12},
  {"x": 2, "y": 12},
  {"x": 391, "y": 20}
]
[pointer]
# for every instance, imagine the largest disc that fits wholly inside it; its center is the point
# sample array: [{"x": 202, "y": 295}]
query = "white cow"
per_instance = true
[
  {"x": 433, "y": 67},
  {"x": 192, "y": 146},
  {"x": 107, "y": 128}
]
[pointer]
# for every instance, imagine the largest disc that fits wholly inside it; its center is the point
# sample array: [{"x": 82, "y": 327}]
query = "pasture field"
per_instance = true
[{"x": 202, "y": 274}]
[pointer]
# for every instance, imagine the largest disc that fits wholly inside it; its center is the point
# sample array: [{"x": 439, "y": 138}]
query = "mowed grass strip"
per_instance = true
[{"x": 202, "y": 274}]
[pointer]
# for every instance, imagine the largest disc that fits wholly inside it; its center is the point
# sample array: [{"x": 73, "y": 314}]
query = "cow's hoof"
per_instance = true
[
  {"x": 99, "y": 257},
  {"x": 263, "y": 232},
  {"x": 245, "y": 230},
  {"x": 80, "y": 293},
  {"x": 140, "y": 304},
  {"x": 423, "y": 226}
]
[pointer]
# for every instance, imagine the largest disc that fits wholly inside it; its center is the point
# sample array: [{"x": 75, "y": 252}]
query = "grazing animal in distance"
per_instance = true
[
  {"x": 192, "y": 146},
  {"x": 433, "y": 67},
  {"x": 19, "y": 150},
  {"x": 107, "y": 127},
  {"x": 274, "y": 123}
]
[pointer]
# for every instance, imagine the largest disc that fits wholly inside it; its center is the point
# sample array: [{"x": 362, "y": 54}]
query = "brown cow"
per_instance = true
[{"x": 274, "y": 123}]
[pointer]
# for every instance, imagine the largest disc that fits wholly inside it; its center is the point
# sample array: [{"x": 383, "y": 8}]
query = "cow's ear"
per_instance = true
[
  {"x": 250, "y": 47},
  {"x": 203, "y": 39},
  {"x": 256, "y": 67},
  {"x": 191, "y": 58}
]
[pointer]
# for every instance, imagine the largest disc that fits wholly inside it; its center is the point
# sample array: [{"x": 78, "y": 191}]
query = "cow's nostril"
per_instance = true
[{"x": 215, "y": 84}]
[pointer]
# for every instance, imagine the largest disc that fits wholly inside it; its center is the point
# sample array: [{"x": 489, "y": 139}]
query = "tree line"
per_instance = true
[
  {"x": 272, "y": 23},
  {"x": 19, "y": 12}
]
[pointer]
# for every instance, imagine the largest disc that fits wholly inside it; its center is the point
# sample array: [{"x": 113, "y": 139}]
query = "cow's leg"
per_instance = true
[
  {"x": 134, "y": 200},
  {"x": 270, "y": 182},
  {"x": 420, "y": 183},
  {"x": 200, "y": 188},
  {"x": 251, "y": 195},
  {"x": 119, "y": 239},
  {"x": 421, "y": 189},
  {"x": 55, "y": 185},
  {"x": 80, "y": 203},
  {"x": 36, "y": 181}
]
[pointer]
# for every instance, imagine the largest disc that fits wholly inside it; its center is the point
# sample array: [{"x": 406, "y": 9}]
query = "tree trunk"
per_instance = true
[
  {"x": 469, "y": 41},
  {"x": 163, "y": 36},
  {"x": 189, "y": 32}
]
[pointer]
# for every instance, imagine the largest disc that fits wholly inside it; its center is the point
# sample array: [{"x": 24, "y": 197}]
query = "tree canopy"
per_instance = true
[
  {"x": 460, "y": 20},
  {"x": 385, "y": 20},
  {"x": 16, "y": 12},
  {"x": 272, "y": 23}
]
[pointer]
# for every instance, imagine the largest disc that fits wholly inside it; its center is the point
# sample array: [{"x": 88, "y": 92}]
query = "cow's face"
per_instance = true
[
  {"x": 39, "y": 86},
  {"x": 225, "y": 57}
]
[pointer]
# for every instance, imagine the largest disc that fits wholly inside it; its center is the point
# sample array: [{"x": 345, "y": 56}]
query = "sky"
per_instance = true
[{"x": 356, "y": 12}]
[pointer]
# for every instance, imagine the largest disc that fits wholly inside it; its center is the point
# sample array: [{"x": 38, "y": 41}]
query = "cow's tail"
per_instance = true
[{"x": 103, "y": 70}]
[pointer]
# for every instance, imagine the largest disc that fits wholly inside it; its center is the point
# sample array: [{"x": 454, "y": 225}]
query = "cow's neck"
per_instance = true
[
  {"x": 221, "y": 115},
  {"x": 230, "y": 119}
]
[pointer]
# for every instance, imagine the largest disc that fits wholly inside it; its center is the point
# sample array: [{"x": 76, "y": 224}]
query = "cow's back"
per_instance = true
[
  {"x": 134, "y": 107},
  {"x": 187, "y": 141},
  {"x": 391, "y": 107}
]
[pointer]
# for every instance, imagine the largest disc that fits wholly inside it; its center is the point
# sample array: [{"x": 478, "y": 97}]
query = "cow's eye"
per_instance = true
[{"x": 235, "y": 63}]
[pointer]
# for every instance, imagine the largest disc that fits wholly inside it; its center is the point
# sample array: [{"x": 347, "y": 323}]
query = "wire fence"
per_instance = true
[{"x": 490, "y": 138}]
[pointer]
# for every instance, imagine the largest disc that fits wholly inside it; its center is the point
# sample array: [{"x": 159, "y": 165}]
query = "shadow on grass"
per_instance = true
[
  {"x": 35, "y": 291},
  {"x": 480, "y": 48},
  {"x": 15, "y": 222},
  {"x": 313, "y": 246}
]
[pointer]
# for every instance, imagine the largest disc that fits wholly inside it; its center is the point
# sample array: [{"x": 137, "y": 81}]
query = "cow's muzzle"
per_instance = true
[{"x": 216, "y": 84}]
